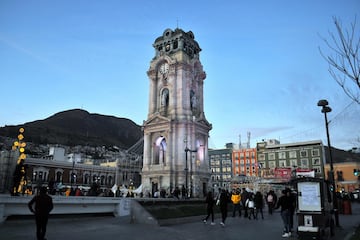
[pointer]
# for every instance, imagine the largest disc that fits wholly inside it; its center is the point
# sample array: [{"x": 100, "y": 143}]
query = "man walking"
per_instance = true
[
  {"x": 285, "y": 204},
  {"x": 43, "y": 206}
]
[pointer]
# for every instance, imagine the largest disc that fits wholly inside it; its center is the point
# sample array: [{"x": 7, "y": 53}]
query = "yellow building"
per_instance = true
[{"x": 344, "y": 163}]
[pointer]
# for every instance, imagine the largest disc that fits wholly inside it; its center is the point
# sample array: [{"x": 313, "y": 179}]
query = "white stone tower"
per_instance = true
[{"x": 176, "y": 131}]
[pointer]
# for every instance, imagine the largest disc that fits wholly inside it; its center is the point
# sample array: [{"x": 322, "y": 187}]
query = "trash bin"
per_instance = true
[{"x": 346, "y": 205}]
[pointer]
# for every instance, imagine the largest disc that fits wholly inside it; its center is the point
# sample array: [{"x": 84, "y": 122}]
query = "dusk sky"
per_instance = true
[{"x": 265, "y": 73}]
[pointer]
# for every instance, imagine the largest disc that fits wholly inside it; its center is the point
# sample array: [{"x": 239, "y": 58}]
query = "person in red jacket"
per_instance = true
[{"x": 43, "y": 206}]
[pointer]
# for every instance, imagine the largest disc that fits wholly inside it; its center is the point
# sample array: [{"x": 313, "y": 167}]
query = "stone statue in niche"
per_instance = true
[
  {"x": 165, "y": 97},
  {"x": 193, "y": 100}
]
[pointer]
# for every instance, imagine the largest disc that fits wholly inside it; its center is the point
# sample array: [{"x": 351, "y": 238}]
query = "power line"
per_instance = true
[
  {"x": 317, "y": 126},
  {"x": 337, "y": 115}
]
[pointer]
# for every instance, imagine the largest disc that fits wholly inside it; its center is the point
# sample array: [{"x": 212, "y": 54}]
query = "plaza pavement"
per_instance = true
[{"x": 108, "y": 227}]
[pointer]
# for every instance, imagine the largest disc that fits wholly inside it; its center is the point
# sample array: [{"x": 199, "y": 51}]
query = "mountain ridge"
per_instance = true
[{"x": 78, "y": 127}]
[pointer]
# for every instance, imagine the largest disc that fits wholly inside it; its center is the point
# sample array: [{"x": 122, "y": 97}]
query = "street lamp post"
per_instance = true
[
  {"x": 326, "y": 109},
  {"x": 186, "y": 167}
]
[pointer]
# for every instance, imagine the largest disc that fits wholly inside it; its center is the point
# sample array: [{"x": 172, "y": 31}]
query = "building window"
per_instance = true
[
  {"x": 315, "y": 152},
  {"x": 58, "y": 177},
  {"x": 282, "y": 163},
  {"x": 272, "y": 164},
  {"x": 282, "y": 155},
  {"x": 262, "y": 157},
  {"x": 292, "y": 154},
  {"x": 87, "y": 179},
  {"x": 293, "y": 163},
  {"x": 304, "y": 163},
  {"x": 340, "y": 176},
  {"x": 271, "y": 156},
  {"x": 316, "y": 161},
  {"x": 303, "y": 153},
  {"x": 317, "y": 169}
]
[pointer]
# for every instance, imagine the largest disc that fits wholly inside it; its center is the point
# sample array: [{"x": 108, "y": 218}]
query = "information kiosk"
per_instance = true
[{"x": 314, "y": 212}]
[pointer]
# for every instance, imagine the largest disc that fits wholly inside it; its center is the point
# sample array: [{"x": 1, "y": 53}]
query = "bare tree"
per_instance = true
[{"x": 344, "y": 62}]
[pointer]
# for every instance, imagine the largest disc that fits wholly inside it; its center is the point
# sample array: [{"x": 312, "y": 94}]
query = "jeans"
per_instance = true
[
  {"x": 236, "y": 208},
  {"x": 41, "y": 222},
  {"x": 210, "y": 212},
  {"x": 285, "y": 215}
]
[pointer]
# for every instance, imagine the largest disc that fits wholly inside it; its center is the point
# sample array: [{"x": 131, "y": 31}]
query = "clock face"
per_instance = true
[{"x": 164, "y": 68}]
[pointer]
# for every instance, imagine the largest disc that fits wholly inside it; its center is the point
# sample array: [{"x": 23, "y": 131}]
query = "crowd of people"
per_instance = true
[{"x": 250, "y": 205}]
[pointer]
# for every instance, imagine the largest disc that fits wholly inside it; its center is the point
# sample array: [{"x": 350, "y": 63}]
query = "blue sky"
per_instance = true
[{"x": 264, "y": 70}]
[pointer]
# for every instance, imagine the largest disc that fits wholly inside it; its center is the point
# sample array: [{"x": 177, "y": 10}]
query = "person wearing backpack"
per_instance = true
[
  {"x": 250, "y": 205},
  {"x": 271, "y": 199}
]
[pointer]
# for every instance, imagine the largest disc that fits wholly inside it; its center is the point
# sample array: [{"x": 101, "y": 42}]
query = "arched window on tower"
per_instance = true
[{"x": 160, "y": 151}]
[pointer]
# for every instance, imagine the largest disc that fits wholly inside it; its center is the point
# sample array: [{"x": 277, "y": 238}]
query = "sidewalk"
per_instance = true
[
  {"x": 106, "y": 227},
  {"x": 348, "y": 223}
]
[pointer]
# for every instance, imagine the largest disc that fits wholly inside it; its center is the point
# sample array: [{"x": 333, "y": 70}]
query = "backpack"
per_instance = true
[{"x": 270, "y": 198}]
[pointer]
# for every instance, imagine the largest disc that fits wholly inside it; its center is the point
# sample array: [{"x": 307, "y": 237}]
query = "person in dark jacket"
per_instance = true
[
  {"x": 224, "y": 199},
  {"x": 244, "y": 197},
  {"x": 210, "y": 201},
  {"x": 285, "y": 203},
  {"x": 292, "y": 197},
  {"x": 43, "y": 206},
  {"x": 259, "y": 204}
]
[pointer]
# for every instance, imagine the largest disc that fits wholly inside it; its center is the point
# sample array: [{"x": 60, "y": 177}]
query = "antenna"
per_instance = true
[
  {"x": 240, "y": 141},
  {"x": 248, "y": 140},
  {"x": 177, "y": 23}
]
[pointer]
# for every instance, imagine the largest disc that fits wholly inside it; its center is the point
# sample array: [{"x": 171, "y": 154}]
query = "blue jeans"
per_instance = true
[{"x": 285, "y": 215}]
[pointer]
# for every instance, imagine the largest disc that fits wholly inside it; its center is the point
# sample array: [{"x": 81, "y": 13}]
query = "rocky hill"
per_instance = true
[{"x": 79, "y": 127}]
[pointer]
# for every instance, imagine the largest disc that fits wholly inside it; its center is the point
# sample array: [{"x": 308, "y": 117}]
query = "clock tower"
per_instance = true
[{"x": 176, "y": 131}]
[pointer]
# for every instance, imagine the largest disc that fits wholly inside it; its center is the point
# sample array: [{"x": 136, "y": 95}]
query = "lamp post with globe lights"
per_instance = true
[{"x": 186, "y": 168}]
